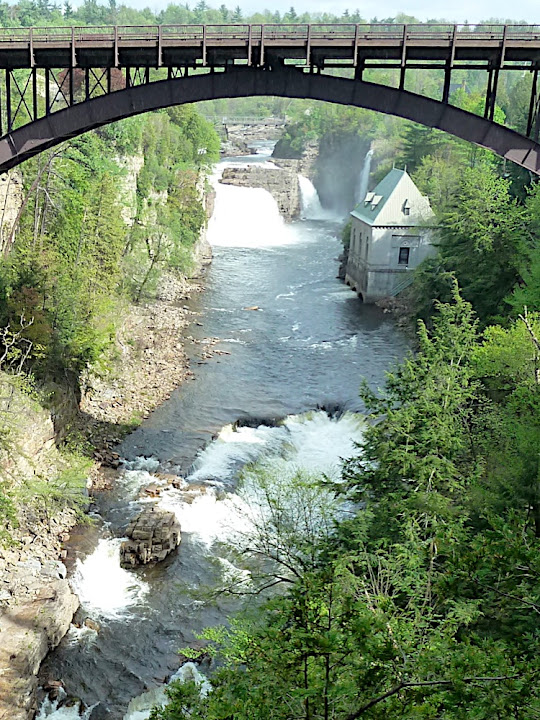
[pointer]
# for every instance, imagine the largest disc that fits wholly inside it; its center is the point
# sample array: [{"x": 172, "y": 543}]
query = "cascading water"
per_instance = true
[
  {"x": 310, "y": 346},
  {"x": 104, "y": 588},
  {"x": 246, "y": 217},
  {"x": 363, "y": 179},
  {"x": 139, "y": 708},
  {"x": 311, "y": 208}
]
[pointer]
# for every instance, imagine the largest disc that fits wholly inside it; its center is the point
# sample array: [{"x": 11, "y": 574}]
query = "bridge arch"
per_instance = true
[{"x": 51, "y": 130}]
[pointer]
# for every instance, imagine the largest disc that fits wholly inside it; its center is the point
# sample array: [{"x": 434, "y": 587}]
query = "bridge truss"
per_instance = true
[{"x": 49, "y": 73}]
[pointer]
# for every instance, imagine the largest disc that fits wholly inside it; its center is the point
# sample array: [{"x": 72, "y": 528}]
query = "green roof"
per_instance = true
[{"x": 385, "y": 188}]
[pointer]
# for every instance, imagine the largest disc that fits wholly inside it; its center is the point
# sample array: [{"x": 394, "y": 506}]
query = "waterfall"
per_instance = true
[
  {"x": 104, "y": 588},
  {"x": 363, "y": 179},
  {"x": 309, "y": 199},
  {"x": 247, "y": 217}
]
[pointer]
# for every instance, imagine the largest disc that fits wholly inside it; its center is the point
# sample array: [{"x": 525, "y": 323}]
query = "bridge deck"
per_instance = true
[
  {"x": 219, "y": 45},
  {"x": 60, "y": 82}
]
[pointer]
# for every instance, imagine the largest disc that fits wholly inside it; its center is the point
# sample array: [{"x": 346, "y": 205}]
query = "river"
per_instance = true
[{"x": 288, "y": 390}]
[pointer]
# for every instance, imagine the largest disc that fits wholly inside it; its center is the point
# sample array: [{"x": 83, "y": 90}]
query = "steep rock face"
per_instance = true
[
  {"x": 152, "y": 536},
  {"x": 30, "y": 626},
  {"x": 304, "y": 164},
  {"x": 132, "y": 166},
  {"x": 36, "y": 603},
  {"x": 11, "y": 200},
  {"x": 33, "y": 431},
  {"x": 281, "y": 183}
]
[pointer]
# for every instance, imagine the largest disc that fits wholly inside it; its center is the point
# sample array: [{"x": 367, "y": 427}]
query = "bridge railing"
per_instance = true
[
  {"x": 362, "y": 32},
  {"x": 244, "y": 120}
]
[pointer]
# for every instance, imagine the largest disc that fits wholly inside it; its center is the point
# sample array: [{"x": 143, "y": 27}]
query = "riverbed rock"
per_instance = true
[
  {"x": 92, "y": 624},
  {"x": 151, "y": 490},
  {"x": 152, "y": 536},
  {"x": 281, "y": 183}
]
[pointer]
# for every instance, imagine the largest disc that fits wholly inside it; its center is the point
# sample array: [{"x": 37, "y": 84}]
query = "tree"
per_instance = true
[
  {"x": 291, "y": 16},
  {"x": 237, "y": 16},
  {"x": 482, "y": 239},
  {"x": 417, "y": 142}
]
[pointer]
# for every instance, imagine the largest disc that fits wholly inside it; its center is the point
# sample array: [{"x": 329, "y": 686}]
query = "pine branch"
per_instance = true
[{"x": 422, "y": 683}]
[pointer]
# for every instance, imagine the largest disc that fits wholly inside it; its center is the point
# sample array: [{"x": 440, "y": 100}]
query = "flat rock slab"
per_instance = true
[{"x": 152, "y": 535}]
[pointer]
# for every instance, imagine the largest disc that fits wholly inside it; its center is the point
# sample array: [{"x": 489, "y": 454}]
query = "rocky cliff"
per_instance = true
[
  {"x": 29, "y": 628},
  {"x": 11, "y": 200},
  {"x": 305, "y": 164},
  {"x": 36, "y": 603}
]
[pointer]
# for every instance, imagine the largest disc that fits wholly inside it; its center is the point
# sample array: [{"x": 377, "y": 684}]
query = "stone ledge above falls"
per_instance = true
[{"x": 281, "y": 183}]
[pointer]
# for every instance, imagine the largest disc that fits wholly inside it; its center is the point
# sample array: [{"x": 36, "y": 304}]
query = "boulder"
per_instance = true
[
  {"x": 152, "y": 535},
  {"x": 92, "y": 624},
  {"x": 152, "y": 490}
]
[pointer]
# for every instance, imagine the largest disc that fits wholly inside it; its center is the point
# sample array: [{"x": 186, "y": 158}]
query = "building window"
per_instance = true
[
  {"x": 403, "y": 256},
  {"x": 406, "y": 208}
]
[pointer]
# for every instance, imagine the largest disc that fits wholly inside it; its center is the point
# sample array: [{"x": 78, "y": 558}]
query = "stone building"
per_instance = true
[{"x": 391, "y": 233}]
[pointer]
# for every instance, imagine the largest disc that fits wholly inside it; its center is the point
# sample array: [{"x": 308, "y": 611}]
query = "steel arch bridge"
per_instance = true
[{"x": 58, "y": 83}]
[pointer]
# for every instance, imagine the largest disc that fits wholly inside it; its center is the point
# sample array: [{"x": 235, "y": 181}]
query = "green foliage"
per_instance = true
[
  {"x": 483, "y": 242},
  {"x": 346, "y": 235},
  {"x": 74, "y": 256},
  {"x": 414, "y": 458},
  {"x": 8, "y": 513},
  {"x": 424, "y": 602}
]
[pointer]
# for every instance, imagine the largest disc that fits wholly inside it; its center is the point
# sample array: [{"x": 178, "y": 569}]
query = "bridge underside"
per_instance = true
[{"x": 44, "y": 133}]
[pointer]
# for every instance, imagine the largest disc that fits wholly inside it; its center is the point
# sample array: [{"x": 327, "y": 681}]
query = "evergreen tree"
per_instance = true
[
  {"x": 482, "y": 239},
  {"x": 237, "y": 16}
]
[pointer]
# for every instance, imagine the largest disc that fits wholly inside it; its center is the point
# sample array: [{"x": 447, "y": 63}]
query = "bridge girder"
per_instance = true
[{"x": 48, "y": 131}]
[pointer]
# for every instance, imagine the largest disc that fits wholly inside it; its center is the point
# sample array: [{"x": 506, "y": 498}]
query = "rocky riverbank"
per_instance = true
[
  {"x": 151, "y": 362},
  {"x": 36, "y": 602},
  {"x": 240, "y": 139}
]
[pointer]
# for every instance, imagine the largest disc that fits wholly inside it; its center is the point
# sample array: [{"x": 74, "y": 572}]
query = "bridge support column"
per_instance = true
[
  {"x": 493, "y": 93},
  {"x": 34, "y": 94},
  {"x": 403, "y": 59},
  {"x": 448, "y": 68},
  {"x": 533, "y": 105},
  {"x": 447, "y": 83},
  {"x": 47, "y": 91},
  {"x": 487, "y": 104},
  {"x": 8, "y": 100}
]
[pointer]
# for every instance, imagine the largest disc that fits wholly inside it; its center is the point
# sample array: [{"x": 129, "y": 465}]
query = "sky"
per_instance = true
[{"x": 456, "y": 10}]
